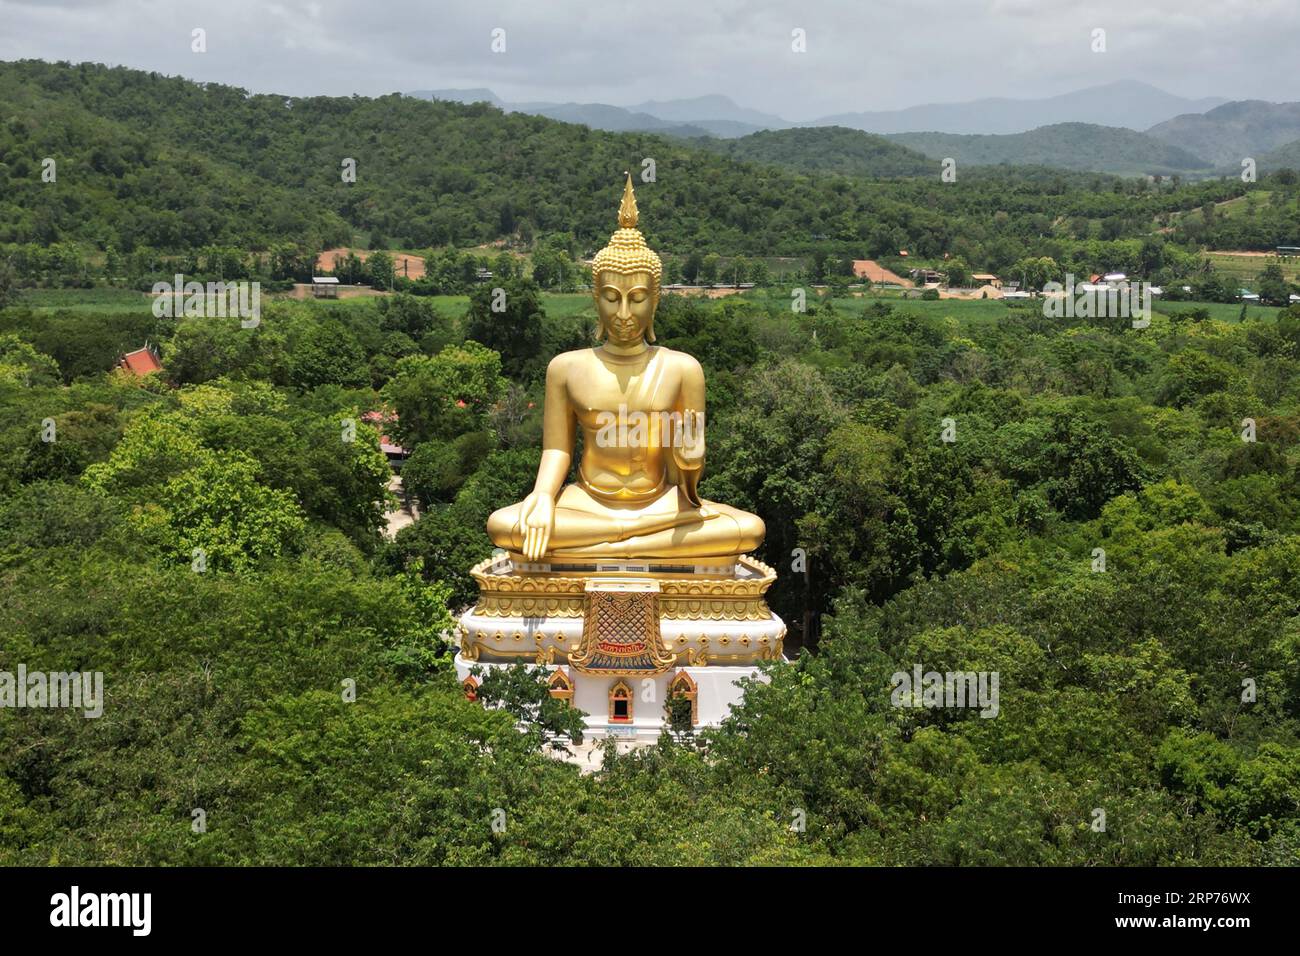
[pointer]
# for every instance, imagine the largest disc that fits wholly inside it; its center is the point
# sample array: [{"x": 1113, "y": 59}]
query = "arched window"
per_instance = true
[
  {"x": 683, "y": 686},
  {"x": 561, "y": 686},
  {"x": 620, "y": 703},
  {"x": 470, "y": 686}
]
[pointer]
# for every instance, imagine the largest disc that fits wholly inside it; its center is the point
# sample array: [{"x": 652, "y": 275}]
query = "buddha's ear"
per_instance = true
[{"x": 654, "y": 308}]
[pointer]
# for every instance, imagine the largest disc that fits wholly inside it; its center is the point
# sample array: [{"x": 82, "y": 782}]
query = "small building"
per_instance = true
[
  {"x": 928, "y": 278},
  {"x": 140, "y": 362},
  {"x": 986, "y": 278},
  {"x": 394, "y": 452},
  {"x": 325, "y": 287}
]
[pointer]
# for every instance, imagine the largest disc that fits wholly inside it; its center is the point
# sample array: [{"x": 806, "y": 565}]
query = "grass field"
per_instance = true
[
  {"x": 85, "y": 300},
  {"x": 564, "y": 305},
  {"x": 129, "y": 300},
  {"x": 931, "y": 308},
  {"x": 1246, "y": 269},
  {"x": 1221, "y": 311}
]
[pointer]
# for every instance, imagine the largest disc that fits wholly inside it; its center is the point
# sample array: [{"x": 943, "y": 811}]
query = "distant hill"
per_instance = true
[
  {"x": 618, "y": 119},
  {"x": 1228, "y": 133},
  {"x": 149, "y": 163},
  {"x": 1076, "y": 146},
  {"x": 828, "y": 149},
  {"x": 710, "y": 108},
  {"x": 1125, "y": 103},
  {"x": 611, "y": 119},
  {"x": 1287, "y": 156}
]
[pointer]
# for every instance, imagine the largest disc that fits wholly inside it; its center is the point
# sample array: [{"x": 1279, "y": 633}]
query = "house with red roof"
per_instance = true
[
  {"x": 141, "y": 362},
  {"x": 394, "y": 452}
]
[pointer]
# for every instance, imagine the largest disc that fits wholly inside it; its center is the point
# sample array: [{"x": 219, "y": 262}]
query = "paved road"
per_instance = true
[{"x": 406, "y": 513}]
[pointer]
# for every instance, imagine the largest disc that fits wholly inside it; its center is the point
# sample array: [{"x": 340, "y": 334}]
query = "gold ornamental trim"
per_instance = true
[
  {"x": 681, "y": 598},
  {"x": 478, "y": 650},
  {"x": 762, "y": 649}
]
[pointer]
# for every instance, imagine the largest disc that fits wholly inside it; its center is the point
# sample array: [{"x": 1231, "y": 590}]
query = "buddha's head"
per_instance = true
[{"x": 625, "y": 280}]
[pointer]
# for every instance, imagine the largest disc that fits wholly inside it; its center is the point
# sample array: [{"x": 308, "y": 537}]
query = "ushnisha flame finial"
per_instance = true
[
  {"x": 627, "y": 253},
  {"x": 627, "y": 208}
]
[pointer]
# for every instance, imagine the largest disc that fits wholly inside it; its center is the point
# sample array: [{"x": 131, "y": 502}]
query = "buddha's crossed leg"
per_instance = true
[{"x": 668, "y": 527}]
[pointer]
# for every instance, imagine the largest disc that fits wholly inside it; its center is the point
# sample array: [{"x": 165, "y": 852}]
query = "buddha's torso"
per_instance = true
[{"x": 625, "y": 410}]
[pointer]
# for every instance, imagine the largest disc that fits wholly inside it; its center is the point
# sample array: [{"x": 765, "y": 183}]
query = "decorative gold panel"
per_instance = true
[{"x": 681, "y": 597}]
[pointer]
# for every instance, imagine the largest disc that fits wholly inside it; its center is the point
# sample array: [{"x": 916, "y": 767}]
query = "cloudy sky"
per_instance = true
[{"x": 861, "y": 54}]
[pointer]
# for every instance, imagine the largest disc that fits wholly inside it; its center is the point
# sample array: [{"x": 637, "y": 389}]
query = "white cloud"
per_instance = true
[{"x": 877, "y": 55}]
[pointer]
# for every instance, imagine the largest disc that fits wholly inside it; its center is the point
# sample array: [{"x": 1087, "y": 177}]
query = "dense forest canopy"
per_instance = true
[{"x": 1121, "y": 688}]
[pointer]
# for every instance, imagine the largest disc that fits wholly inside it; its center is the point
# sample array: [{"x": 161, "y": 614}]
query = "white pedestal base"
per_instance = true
[{"x": 717, "y": 690}]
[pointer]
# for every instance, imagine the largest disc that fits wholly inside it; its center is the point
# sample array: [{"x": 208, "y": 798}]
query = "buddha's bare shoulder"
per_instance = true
[
  {"x": 560, "y": 364},
  {"x": 684, "y": 361}
]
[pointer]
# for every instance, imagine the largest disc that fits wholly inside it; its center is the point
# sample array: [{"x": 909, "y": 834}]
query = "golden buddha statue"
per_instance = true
[{"x": 641, "y": 410}]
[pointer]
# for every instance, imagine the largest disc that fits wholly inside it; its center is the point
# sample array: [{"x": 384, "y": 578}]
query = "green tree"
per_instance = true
[
  {"x": 522, "y": 691},
  {"x": 1272, "y": 285},
  {"x": 439, "y": 397},
  {"x": 22, "y": 365},
  {"x": 514, "y": 332},
  {"x": 219, "y": 506},
  {"x": 325, "y": 352},
  {"x": 379, "y": 269}
]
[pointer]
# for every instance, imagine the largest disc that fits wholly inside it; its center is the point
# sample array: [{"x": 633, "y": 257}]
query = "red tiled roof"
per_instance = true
[
  {"x": 382, "y": 419},
  {"x": 140, "y": 362}
]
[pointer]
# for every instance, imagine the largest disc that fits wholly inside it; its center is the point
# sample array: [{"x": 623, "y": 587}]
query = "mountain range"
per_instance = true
[
  {"x": 1126, "y": 103},
  {"x": 1229, "y": 133},
  {"x": 1125, "y": 128},
  {"x": 1076, "y": 146},
  {"x": 702, "y": 116}
]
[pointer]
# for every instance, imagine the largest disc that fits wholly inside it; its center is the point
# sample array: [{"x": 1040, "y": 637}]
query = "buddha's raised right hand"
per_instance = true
[{"x": 536, "y": 523}]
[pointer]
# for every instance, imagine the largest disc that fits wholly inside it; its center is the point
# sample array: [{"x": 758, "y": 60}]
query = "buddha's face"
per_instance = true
[{"x": 626, "y": 305}]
